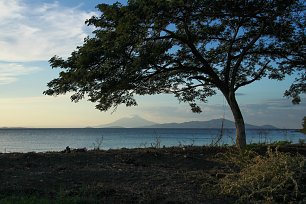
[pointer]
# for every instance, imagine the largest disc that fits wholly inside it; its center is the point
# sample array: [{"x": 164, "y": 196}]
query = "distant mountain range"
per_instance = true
[
  {"x": 138, "y": 122},
  {"x": 133, "y": 122}
]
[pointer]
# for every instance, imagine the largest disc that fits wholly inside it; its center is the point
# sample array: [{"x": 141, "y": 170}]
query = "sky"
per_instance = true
[{"x": 33, "y": 31}]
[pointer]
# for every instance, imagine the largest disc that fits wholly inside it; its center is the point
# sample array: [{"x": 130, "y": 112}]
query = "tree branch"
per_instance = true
[
  {"x": 256, "y": 77},
  {"x": 202, "y": 78},
  {"x": 207, "y": 68},
  {"x": 187, "y": 88},
  {"x": 229, "y": 56},
  {"x": 160, "y": 37},
  {"x": 242, "y": 55}
]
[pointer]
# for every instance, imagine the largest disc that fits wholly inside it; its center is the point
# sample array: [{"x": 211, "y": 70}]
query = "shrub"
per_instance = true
[
  {"x": 282, "y": 143},
  {"x": 275, "y": 177}
]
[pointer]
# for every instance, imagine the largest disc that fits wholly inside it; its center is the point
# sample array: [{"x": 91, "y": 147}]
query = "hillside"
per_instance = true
[
  {"x": 138, "y": 122},
  {"x": 216, "y": 123},
  {"x": 132, "y": 122}
]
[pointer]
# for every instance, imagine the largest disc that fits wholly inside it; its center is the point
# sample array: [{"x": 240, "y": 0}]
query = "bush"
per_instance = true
[{"x": 275, "y": 177}]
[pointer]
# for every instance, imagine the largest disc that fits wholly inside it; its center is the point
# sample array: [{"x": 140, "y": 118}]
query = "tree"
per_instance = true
[
  {"x": 304, "y": 125},
  {"x": 189, "y": 48}
]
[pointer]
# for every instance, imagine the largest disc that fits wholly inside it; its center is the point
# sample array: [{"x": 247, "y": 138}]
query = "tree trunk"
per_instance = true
[{"x": 239, "y": 121}]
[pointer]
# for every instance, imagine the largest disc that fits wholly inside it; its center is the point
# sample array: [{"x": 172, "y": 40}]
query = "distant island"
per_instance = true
[
  {"x": 139, "y": 122},
  {"x": 12, "y": 127}
]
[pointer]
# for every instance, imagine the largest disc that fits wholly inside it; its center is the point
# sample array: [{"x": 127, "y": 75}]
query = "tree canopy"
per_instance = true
[{"x": 190, "y": 48}]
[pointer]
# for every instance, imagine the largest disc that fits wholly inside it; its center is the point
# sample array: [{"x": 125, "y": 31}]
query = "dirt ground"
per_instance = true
[{"x": 163, "y": 175}]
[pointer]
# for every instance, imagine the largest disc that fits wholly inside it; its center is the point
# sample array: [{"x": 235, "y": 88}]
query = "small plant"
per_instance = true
[
  {"x": 180, "y": 144},
  {"x": 303, "y": 130},
  {"x": 184, "y": 143},
  {"x": 193, "y": 139},
  {"x": 98, "y": 143},
  {"x": 274, "y": 178},
  {"x": 143, "y": 145},
  {"x": 156, "y": 144},
  {"x": 263, "y": 136},
  {"x": 301, "y": 141},
  {"x": 282, "y": 143}
]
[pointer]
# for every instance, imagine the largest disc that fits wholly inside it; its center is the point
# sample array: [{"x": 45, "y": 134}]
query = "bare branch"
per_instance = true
[
  {"x": 257, "y": 76},
  {"x": 242, "y": 55},
  {"x": 202, "y": 78},
  {"x": 229, "y": 56},
  {"x": 207, "y": 68},
  {"x": 187, "y": 88}
]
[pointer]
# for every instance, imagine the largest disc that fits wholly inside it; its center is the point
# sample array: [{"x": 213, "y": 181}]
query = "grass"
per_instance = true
[{"x": 276, "y": 177}]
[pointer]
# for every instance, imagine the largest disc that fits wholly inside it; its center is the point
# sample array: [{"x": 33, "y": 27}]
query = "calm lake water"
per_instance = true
[{"x": 56, "y": 139}]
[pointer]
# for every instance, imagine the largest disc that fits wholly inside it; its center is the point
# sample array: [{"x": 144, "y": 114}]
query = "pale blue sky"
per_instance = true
[{"x": 32, "y": 31}]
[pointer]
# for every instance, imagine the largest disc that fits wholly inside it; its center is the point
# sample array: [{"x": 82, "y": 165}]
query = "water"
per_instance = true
[{"x": 42, "y": 140}]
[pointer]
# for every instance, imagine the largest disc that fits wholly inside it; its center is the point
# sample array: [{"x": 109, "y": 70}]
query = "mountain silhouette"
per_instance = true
[
  {"x": 132, "y": 122},
  {"x": 215, "y": 123},
  {"x": 139, "y": 122}
]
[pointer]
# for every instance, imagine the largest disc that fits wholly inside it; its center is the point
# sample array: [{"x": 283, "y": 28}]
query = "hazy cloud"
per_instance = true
[
  {"x": 38, "y": 32},
  {"x": 278, "y": 112},
  {"x": 10, "y": 10},
  {"x": 10, "y": 71},
  {"x": 282, "y": 103}
]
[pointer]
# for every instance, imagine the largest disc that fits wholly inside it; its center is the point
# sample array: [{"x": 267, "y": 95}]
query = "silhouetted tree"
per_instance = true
[
  {"x": 304, "y": 125},
  {"x": 190, "y": 48}
]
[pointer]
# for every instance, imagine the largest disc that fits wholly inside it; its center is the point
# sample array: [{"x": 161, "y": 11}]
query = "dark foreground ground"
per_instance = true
[{"x": 163, "y": 175}]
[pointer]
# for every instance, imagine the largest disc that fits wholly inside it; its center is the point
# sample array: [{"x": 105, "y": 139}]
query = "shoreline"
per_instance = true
[{"x": 41, "y": 140}]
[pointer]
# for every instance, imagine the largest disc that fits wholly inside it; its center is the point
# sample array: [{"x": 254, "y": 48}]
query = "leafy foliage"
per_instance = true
[{"x": 188, "y": 48}]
